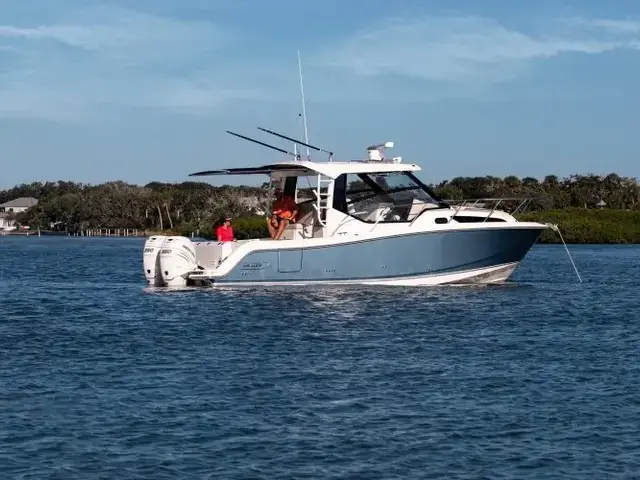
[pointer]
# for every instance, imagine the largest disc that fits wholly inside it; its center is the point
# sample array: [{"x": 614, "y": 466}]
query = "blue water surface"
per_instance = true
[{"x": 536, "y": 379}]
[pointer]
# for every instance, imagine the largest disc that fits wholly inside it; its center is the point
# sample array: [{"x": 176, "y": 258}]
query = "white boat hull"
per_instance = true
[{"x": 463, "y": 256}]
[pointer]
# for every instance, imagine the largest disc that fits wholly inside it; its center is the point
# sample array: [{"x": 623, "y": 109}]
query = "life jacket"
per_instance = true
[{"x": 284, "y": 207}]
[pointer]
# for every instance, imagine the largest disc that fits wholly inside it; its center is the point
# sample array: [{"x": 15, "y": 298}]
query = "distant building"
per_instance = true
[
  {"x": 18, "y": 205},
  {"x": 11, "y": 207},
  {"x": 601, "y": 204}
]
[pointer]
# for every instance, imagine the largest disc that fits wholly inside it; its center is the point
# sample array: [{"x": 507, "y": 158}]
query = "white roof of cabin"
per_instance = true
[{"x": 329, "y": 169}]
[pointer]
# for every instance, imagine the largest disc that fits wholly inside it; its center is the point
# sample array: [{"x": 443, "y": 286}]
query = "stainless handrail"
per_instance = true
[{"x": 473, "y": 203}]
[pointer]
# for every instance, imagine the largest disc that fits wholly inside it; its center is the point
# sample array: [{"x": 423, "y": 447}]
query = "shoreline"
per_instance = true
[
  {"x": 542, "y": 241},
  {"x": 47, "y": 233}
]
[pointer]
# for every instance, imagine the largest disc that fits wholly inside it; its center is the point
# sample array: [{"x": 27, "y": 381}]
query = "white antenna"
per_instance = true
[{"x": 304, "y": 110}]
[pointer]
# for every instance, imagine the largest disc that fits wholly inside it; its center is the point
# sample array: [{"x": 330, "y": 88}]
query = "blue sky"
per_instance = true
[{"x": 144, "y": 90}]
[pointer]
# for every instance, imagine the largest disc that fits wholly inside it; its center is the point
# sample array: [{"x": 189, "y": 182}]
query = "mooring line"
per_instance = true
[{"x": 557, "y": 229}]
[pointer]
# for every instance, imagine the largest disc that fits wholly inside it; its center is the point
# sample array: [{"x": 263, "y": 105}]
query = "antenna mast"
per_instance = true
[{"x": 304, "y": 110}]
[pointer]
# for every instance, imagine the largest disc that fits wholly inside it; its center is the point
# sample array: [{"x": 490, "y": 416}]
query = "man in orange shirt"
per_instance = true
[
  {"x": 225, "y": 231},
  {"x": 284, "y": 212}
]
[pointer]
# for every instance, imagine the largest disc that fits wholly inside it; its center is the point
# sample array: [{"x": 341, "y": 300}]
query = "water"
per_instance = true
[{"x": 538, "y": 379}]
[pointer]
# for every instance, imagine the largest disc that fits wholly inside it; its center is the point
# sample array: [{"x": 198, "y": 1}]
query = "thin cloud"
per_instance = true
[
  {"x": 619, "y": 26},
  {"x": 110, "y": 57},
  {"x": 105, "y": 58},
  {"x": 110, "y": 30},
  {"x": 615, "y": 27},
  {"x": 458, "y": 50},
  {"x": 16, "y": 32}
]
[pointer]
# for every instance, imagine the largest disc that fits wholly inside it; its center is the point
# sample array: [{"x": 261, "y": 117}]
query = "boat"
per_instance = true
[{"x": 369, "y": 221}]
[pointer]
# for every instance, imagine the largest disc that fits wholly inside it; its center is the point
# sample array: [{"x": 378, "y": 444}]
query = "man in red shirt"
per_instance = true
[
  {"x": 284, "y": 212},
  {"x": 225, "y": 231}
]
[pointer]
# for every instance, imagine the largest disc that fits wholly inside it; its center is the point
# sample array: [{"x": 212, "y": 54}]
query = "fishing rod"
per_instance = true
[
  {"x": 296, "y": 141},
  {"x": 277, "y": 149}
]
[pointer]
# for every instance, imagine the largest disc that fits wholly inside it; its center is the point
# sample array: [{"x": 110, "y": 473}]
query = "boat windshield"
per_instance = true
[{"x": 383, "y": 197}]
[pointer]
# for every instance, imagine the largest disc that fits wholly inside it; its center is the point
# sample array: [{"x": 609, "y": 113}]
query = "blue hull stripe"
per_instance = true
[{"x": 402, "y": 256}]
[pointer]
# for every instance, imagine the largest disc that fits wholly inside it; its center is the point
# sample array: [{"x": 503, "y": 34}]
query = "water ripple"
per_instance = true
[{"x": 102, "y": 379}]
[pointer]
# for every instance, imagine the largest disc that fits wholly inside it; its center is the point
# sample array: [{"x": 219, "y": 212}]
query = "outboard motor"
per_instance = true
[
  {"x": 177, "y": 258},
  {"x": 151, "y": 260}
]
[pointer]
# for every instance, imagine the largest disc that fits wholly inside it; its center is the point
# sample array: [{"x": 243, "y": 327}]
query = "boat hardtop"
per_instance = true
[{"x": 304, "y": 167}]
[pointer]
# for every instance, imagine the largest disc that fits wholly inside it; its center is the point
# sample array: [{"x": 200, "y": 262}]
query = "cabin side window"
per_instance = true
[
  {"x": 382, "y": 197},
  {"x": 476, "y": 219}
]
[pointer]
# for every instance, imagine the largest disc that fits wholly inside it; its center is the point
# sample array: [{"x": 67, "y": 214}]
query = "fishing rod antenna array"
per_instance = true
[
  {"x": 282, "y": 150},
  {"x": 277, "y": 149},
  {"x": 305, "y": 144}
]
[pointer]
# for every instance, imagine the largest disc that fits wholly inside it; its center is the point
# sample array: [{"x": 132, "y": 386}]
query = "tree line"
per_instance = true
[
  {"x": 73, "y": 207},
  {"x": 196, "y": 206},
  {"x": 552, "y": 193}
]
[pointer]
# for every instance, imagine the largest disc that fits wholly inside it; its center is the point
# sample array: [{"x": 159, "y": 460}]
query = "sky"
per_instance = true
[{"x": 144, "y": 90}]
